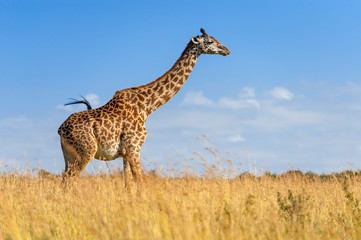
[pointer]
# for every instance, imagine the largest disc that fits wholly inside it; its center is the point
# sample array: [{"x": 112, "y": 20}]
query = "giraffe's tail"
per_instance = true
[{"x": 76, "y": 101}]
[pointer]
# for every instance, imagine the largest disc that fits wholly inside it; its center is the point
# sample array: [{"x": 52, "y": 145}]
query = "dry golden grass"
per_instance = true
[{"x": 291, "y": 206}]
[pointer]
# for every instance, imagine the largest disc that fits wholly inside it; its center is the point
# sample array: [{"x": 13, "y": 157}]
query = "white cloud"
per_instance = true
[
  {"x": 239, "y": 103},
  {"x": 197, "y": 98},
  {"x": 246, "y": 100},
  {"x": 247, "y": 92},
  {"x": 192, "y": 119},
  {"x": 274, "y": 118},
  {"x": 93, "y": 99},
  {"x": 281, "y": 93},
  {"x": 236, "y": 138}
]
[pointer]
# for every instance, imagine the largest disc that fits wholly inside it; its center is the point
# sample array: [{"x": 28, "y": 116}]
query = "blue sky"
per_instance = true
[{"x": 288, "y": 95}]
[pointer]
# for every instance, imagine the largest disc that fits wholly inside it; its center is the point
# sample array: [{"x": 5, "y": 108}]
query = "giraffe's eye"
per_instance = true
[{"x": 210, "y": 42}]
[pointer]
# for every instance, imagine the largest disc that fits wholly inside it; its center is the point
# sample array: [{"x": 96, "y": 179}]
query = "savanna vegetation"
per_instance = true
[{"x": 293, "y": 205}]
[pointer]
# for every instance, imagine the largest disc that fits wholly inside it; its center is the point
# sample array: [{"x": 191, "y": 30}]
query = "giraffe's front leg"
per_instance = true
[
  {"x": 132, "y": 165},
  {"x": 132, "y": 143},
  {"x": 127, "y": 172},
  {"x": 132, "y": 169}
]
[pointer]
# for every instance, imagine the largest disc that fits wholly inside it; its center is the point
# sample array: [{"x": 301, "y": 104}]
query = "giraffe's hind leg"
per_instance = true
[{"x": 76, "y": 159}]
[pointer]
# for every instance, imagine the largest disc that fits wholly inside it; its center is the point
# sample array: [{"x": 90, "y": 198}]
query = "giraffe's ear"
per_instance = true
[
  {"x": 195, "y": 40},
  {"x": 204, "y": 32}
]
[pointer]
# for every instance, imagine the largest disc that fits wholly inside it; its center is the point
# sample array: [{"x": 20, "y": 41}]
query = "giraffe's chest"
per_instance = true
[
  {"x": 107, "y": 133},
  {"x": 107, "y": 152},
  {"x": 109, "y": 146}
]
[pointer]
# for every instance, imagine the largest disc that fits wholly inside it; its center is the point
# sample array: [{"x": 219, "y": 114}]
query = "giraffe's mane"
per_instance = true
[{"x": 189, "y": 45}]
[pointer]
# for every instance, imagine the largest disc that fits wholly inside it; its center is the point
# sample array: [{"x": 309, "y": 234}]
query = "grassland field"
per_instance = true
[{"x": 293, "y": 205}]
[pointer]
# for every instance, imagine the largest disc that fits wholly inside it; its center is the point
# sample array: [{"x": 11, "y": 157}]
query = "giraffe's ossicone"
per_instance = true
[{"x": 117, "y": 129}]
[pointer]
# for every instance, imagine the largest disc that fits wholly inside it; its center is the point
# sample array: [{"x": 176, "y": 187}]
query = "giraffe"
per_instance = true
[{"x": 117, "y": 129}]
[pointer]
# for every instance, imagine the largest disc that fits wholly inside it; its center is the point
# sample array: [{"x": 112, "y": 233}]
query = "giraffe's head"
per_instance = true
[{"x": 209, "y": 45}]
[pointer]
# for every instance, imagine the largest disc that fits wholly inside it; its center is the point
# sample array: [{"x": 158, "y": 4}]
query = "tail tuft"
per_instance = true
[{"x": 76, "y": 101}]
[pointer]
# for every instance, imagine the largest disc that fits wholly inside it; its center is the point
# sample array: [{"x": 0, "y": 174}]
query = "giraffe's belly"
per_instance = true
[{"x": 108, "y": 153}]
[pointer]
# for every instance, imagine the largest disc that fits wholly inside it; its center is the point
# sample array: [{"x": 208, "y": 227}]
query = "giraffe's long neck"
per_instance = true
[{"x": 155, "y": 94}]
